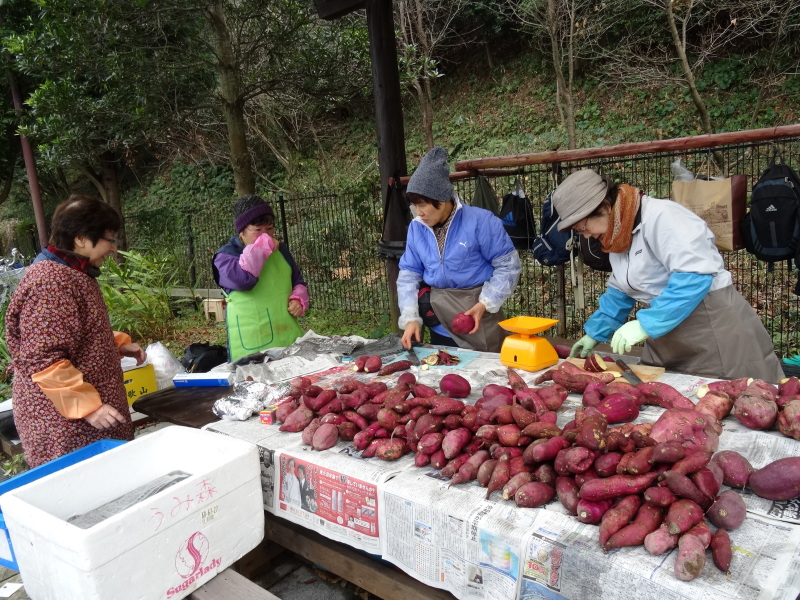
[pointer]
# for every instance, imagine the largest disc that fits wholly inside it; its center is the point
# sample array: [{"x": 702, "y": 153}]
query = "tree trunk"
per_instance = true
[
  {"x": 687, "y": 71},
  {"x": 110, "y": 181},
  {"x": 564, "y": 101},
  {"x": 231, "y": 99}
]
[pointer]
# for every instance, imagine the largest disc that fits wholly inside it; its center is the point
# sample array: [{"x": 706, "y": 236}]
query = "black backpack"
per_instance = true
[
  {"x": 551, "y": 247},
  {"x": 202, "y": 357},
  {"x": 771, "y": 229},
  {"x": 517, "y": 217},
  {"x": 593, "y": 255}
]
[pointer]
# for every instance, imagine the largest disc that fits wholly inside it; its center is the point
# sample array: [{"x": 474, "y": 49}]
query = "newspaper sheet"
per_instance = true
[
  {"x": 452, "y": 538},
  {"x": 334, "y": 492},
  {"x": 563, "y": 559}
]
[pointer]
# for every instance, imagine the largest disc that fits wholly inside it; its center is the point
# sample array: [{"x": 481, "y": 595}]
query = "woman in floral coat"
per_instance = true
[{"x": 68, "y": 386}]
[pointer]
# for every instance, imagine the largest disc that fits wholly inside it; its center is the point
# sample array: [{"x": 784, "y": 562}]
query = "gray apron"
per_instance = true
[
  {"x": 723, "y": 338},
  {"x": 448, "y": 302}
]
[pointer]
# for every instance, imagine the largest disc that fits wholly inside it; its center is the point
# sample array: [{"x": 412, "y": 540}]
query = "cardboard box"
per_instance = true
[
  {"x": 139, "y": 381},
  {"x": 7, "y": 558},
  {"x": 212, "y": 379},
  {"x": 162, "y": 546}
]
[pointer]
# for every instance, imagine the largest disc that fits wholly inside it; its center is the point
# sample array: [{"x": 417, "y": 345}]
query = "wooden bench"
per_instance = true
[
  {"x": 229, "y": 585},
  {"x": 215, "y": 306}
]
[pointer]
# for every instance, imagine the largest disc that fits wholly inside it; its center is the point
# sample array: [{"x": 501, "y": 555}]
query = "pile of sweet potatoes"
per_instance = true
[{"x": 653, "y": 484}]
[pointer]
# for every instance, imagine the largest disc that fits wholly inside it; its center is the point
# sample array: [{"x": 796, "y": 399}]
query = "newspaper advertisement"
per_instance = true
[
  {"x": 452, "y": 538},
  {"x": 563, "y": 559},
  {"x": 334, "y": 492}
]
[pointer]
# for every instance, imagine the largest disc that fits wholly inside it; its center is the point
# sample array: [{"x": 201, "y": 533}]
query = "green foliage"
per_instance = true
[
  {"x": 14, "y": 465},
  {"x": 331, "y": 322},
  {"x": 137, "y": 293}
]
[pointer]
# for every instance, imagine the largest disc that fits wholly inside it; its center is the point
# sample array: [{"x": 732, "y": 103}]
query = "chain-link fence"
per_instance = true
[{"x": 333, "y": 236}]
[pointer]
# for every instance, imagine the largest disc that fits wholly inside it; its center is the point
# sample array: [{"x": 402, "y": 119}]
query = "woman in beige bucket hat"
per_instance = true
[{"x": 663, "y": 256}]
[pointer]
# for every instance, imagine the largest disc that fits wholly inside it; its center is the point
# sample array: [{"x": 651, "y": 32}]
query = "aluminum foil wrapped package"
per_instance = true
[
  {"x": 236, "y": 409},
  {"x": 250, "y": 389},
  {"x": 262, "y": 394}
]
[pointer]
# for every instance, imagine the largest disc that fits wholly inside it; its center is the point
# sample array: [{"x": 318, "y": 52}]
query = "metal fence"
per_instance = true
[{"x": 333, "y": 236}]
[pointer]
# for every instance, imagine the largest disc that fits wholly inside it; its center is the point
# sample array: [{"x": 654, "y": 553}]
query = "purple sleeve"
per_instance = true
[
  {"x": 230, "y": 276},
  {"x": 297, "y": 276}
]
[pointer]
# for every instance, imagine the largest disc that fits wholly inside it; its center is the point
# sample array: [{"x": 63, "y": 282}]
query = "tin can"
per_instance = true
[{"x": 267, "y": 415}]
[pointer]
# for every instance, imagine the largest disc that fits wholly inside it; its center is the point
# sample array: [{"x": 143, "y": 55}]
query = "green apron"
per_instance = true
[{"x": 259, "y": 318}]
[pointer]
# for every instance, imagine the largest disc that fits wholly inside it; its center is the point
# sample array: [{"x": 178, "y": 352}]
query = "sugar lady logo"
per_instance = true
[{"x": 190, "y": 562}]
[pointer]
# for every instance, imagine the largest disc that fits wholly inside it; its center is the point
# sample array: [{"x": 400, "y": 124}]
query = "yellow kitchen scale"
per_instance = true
[{"x": 525, "y": 350}]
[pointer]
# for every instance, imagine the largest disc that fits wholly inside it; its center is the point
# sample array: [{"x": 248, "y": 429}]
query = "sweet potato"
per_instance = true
[
  {"x": 394, "y": 367},
  {"x": 438, "y": 460},
  {"x": 390, "y": 449},
  {"x": 661, "y": 394},
  {"x": 755, "y": 412},
  {"x": 545, "y": 473},
  {"x": 334, "y": 406},
  {"x": 707, "y": 481},
  {"x": 325, "y": 436},
  {"x": 567, "y": 492},
  {"x": 522, "y": 417},
  {"x": 588, "y": 474},
  {"x": 691, "y": 558},
  {"x": 779, "y": 480},
  {"x": 534, "y": 494},
  {"x": 407, "y": 378},
  {"x": 592, "y": 433},
  {"x": 430, "y": 443},
  {"x": 285, "y": 409},
  {"x": 640, "y": 461},
  {"x": 789, "y": 420},
  {"x": 682, "y": 515},
  {"x": 454, "y": 441},
  {"x": 546, "y": 450},
  {"x": 660, "y": 541},
  {"x": 718, "y": 404},
  {"x": 668, "y": 452},
  {"x": 618, "y": 516},
  {"x": 298, "y": 420},
  {"x": 445, "y": 406},
  {"x": 623, "y": 387},
  {"x": 452, "y": 467},
  {"x": 371, "y": 448},
  {"x": 728, "y": 510},
  {"x": 659, "y": 496},
  {"x": 605, "y": 465},
  {"x": 736, "y": 469},
  {"x": 375, "y": 387},
  {"x": 347, "y": 430},
  {"x": 469, "y": 470},
  {"x": 508, "y": 435},
  {"x": 373, "y": 364},
  {"x": 616, "y": 485},
  {"x": 516, "y": 464},
  {"x": 721, "y": 551},
  {"x": 500, "y": 475},
  {"x": 648, "y": 519},
  {"x": 693, "y": 461},
  {"x": 513, "y": 484},
  {"x": 692, "y": 429},
  {"x": 618, "y": 408},
  {"x": 680, "y": 485},
  {"x": 592, "y": 511},
  {"x": 578, "y": 459},
  {"x": 310, "y": 429},
  {"x": 577, "y": 382},
  {"x": 485, "y": 471},
  {"x": 455, "y": 386},
  {"x": 552, "y": 396},
  {"x": 452, "y": 421}
]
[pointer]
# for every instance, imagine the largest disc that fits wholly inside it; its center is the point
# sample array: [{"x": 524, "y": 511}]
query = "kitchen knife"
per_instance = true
[
  {"x": 412, "y": 356},
  {"x": 629, "y": 375}
]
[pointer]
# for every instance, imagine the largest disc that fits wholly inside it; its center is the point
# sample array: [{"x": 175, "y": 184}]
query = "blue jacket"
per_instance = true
[{"x": 477, "y": 251}]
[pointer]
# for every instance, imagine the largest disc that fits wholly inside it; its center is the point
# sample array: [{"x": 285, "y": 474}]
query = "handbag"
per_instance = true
[{"x": 720, "y": 203}]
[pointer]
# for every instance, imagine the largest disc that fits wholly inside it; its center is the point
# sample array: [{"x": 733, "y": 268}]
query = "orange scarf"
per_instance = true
[{"x": 617, "y": 237}]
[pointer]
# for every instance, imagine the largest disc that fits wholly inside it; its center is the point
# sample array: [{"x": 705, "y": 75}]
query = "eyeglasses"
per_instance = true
[
  {"x": 111, "y": 241},
  {"x": 260, "y": 228},
  {"x": 583, "y": 228}
]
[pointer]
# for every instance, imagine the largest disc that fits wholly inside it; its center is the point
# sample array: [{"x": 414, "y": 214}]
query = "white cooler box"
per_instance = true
[{"x": 165, "y": 544}]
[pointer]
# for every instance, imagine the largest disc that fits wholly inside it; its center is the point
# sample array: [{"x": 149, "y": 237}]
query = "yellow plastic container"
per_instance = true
[
  {"x": 139, "y": 381},
  {"x": 524, "y": 350}
]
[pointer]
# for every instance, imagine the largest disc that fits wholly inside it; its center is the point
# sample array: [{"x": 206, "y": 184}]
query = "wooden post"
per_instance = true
[{"x": 388, "y": 118}]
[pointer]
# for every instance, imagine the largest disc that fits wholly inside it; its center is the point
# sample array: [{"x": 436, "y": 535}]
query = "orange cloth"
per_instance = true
[
  {"x": 619, "y": 235},
  {"x": 121, "y": 338},
  {"x": 63, "y": 384}
]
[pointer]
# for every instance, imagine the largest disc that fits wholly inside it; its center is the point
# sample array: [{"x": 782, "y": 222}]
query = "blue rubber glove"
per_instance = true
[
  {"x": 626, "y": 336},
  {"x": 583, "y": 347}
]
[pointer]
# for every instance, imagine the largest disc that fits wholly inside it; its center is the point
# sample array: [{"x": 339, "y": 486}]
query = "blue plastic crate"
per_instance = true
[{"x": 7, "y": 557}]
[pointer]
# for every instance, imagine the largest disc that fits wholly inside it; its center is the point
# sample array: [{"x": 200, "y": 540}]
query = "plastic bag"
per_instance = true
[
  {"x": 165, "y": 365},
  {"x": 681, "y": 173}
]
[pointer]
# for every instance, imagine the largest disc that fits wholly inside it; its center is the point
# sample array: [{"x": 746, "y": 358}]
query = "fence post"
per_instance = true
[
  {"x": 282, "y": 210},
  {"x": 190, "y": 247}
]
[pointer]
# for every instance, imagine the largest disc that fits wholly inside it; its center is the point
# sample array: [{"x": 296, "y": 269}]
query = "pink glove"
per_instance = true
[
  {"x": 256, "y": 254},
  {"x": 300, "y": 293}
]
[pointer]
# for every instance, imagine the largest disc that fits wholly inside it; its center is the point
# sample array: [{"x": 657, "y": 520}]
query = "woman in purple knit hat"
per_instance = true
[{"x": 264, "y": 289}]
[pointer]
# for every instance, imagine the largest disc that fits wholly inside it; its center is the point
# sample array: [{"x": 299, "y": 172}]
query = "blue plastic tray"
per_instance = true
[{"x": 7, "y": 557}]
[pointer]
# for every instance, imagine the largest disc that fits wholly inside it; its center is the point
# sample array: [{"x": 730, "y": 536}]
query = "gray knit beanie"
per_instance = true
[
  {"x": 248, "y": 209},
  {"x": 431, "y": 179},
  {"x": 578, "y": 196}
]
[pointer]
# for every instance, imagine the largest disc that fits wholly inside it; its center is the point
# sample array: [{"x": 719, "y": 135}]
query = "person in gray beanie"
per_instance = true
[
  {"x": 264, "y": 289},
  {"x": 663, "y": 256},
  {"x": 458, "y": 259}
]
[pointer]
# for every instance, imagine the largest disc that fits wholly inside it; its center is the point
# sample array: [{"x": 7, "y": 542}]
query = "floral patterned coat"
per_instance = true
[{"x": 58, "y": 313}]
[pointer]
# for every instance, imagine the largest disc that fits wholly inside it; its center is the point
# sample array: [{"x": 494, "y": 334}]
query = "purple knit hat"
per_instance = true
[{"x": 248, "y": 209}]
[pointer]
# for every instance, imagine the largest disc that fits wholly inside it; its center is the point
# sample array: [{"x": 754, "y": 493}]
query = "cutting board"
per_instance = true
[{"x": 645, "y": 372}]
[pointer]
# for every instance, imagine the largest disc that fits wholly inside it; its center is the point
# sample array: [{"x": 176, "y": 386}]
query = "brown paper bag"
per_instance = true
[{"x": 721, "y": 203}]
